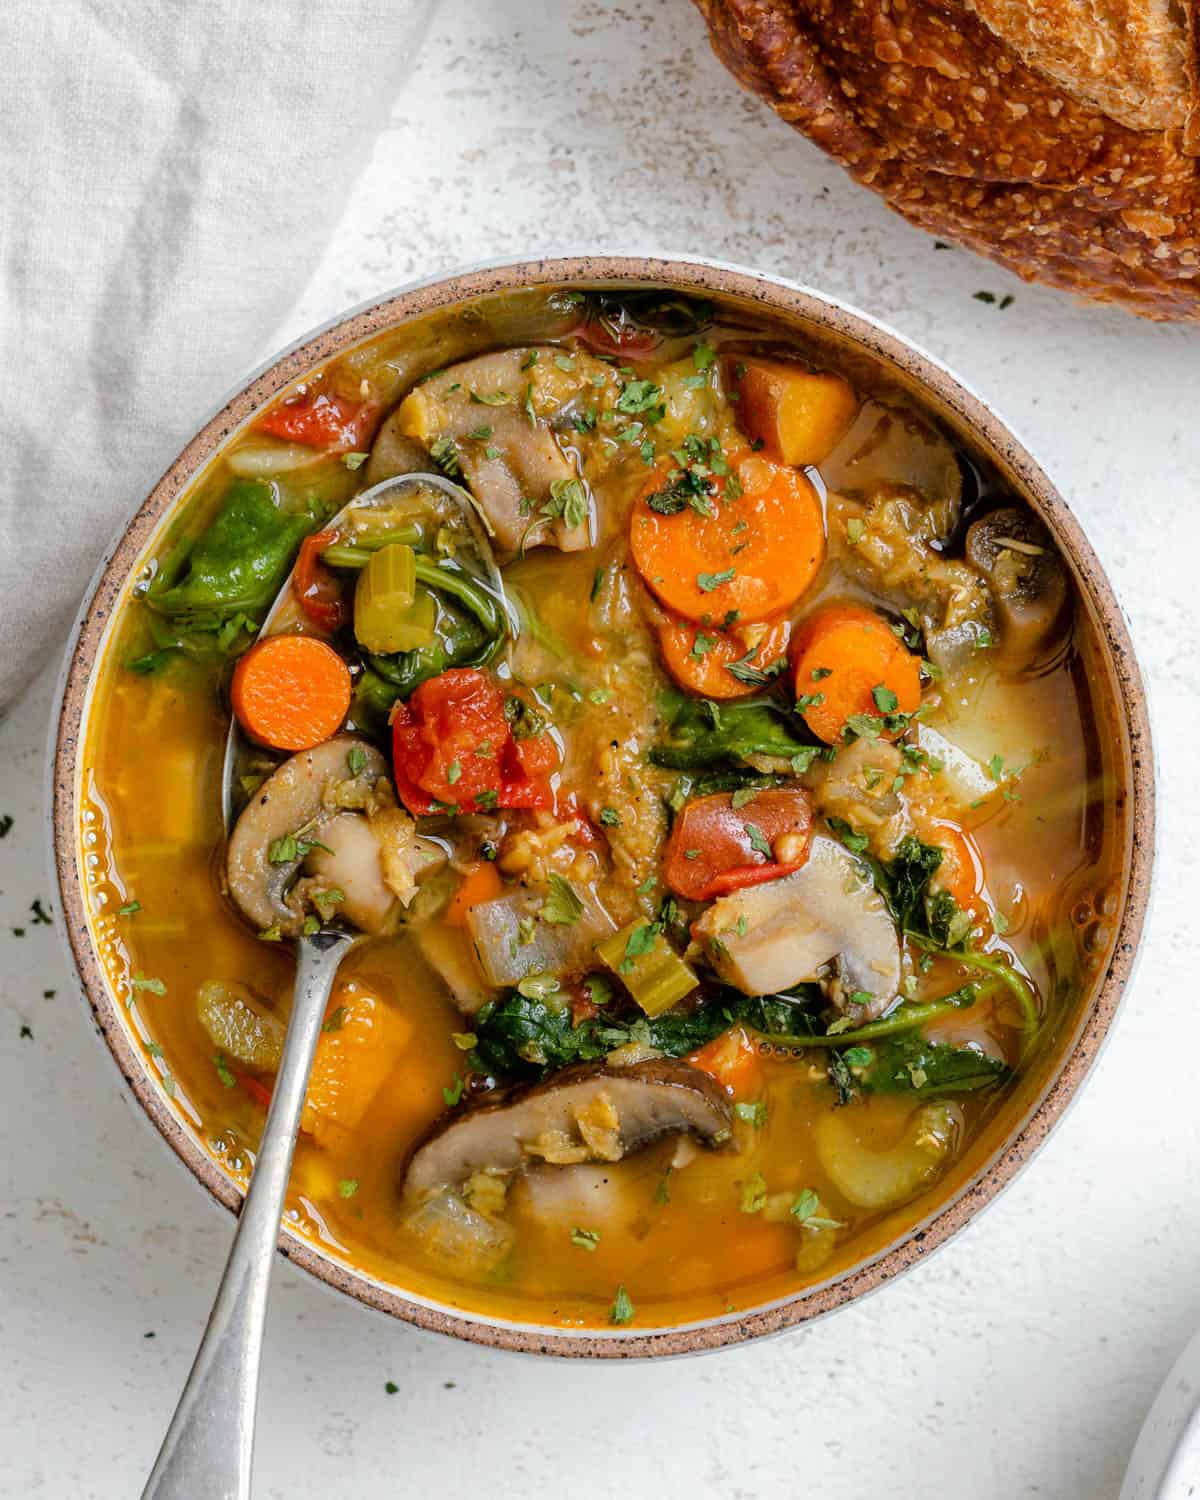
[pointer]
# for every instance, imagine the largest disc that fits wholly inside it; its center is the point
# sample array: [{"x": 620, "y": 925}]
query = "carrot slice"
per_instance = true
[
  {"x": 732, "y": 1059},
  {"x": 481, "y": 883},
  {"x": 961, "y": 870},
  {"x": 291, "y": 692},
  {"x": 849, "y": 663},
  {"x": 753, "y": 546},
  {"x": 700, "y": 657}
]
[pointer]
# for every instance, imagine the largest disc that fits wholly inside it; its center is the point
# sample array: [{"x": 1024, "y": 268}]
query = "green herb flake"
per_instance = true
[
  {"x": 454, "y": 1093},
  {"x": 348, "y": 1187},
  {"x": 707, "y": 582},
  {"x": 563, "y": 906},
  {"x": 129, "y": 909},
  {"x": 855, "y": 531},
  {"x": 622, "y": 1310},
  {"x": 758, "y": 840},
  {"x": 885, "y": 700},
  {"x": 155, "y": 986},
  {"x": 585, "y": 1239},
  {"x": 753, "y": 1198},
  {"x": 610, "y": 817},
  {"x": 754, "y": 1114},
  {"x": 224, "y": 1072}
]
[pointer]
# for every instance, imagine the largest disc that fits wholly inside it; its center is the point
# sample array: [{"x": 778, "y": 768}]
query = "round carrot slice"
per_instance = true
[
  {"x": 291, "y": 692},
  {"x": 849, "y": 663},
  {"x": 961, "y": 870},
  {"x": 701, "y": 658},
  {"x": 752, "y": 546}
]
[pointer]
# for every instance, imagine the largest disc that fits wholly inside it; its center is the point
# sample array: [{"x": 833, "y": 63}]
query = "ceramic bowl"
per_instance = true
[{"x": 1043, "y": 1096}]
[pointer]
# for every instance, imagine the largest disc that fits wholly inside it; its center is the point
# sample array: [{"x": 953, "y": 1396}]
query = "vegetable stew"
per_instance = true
[{"x": 707, "y": 743}]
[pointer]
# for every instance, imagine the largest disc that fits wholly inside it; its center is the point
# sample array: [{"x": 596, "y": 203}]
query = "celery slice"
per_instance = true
[
  {"x": 647, "y": 965},
  {"x": 389, "y": 614}
]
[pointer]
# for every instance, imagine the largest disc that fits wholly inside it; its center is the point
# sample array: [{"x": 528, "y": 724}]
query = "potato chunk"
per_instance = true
[{"x": 798, "y": 417}]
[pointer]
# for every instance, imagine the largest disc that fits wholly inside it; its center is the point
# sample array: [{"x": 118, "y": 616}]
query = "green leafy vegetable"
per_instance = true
[
  {"x": 701, "y": 733},
  {"x": 562, "y": 907}
]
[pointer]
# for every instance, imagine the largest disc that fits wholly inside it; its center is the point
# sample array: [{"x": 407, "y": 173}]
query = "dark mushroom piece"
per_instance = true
[
  {"x": 495, "y": 418},
  {"x": 591, "y": 1112},
  {"x": 1027, "y": 578}
]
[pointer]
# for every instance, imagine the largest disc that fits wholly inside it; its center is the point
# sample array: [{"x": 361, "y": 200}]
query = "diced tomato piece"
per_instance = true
[
  {"x": 319, "y": 420},
  {"x": 715, "y": 847},
  {"x": 614, "y": 336},
  {"x": 536, "y": 756},
  {"x": 448, "y": 741},
  {"x": 316, "y": 587},
  {"x": 258, "y": 1091}
]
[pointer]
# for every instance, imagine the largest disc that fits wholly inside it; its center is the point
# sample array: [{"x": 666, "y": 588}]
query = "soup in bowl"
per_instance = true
[{"x": 724, "y": 741}]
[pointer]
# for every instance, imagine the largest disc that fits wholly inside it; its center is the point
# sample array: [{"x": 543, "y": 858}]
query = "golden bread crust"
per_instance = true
[{"x": 991, "y": 122}]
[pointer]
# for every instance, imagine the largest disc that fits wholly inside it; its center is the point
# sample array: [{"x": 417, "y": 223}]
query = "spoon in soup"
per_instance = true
[{"x": 208, "y": 1449}]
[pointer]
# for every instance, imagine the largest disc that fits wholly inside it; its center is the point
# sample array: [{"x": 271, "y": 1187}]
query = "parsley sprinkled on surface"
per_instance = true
[
  {"x": 224, "y": 1072},
  {"x": 348, "y": 1187},
  {"x": 586, "y": 1239},
  {"x": 753, "y": 1113},
  {"x": 452, "y": 1095},
  {"x": 753, "y": 1194},
  {"x": 563, "y": 906},
  {"x": 885, "y": 700},
  {"x": 622, "y": 1309},
  {"x": 758, "y": 840},
  {"x": 129, "y": 908},
  {"x": 707, "y": 582},
  {"x": 154, "y": 986},
  {"x": 610, "y": 817}
]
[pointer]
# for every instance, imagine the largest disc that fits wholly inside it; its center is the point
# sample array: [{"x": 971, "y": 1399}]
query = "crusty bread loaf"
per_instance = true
[{"x": 1059, "y": 137}]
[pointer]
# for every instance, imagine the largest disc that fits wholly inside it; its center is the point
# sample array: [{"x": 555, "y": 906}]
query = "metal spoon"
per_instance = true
[{"x": 208, "y": 1449}]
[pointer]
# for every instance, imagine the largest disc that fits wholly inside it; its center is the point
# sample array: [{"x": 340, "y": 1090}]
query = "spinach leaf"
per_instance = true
[
  {"x": 912, "y": 1063},
  {"x": 519, "y": 1035},
  {"x": 905, "y": 881},
  {"x": 235, "y": 567},
  {"x": 702, "y": 734}
]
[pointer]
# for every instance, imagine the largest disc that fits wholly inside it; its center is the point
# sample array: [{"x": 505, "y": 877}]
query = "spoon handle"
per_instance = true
[{"x": 207, "y": 1452}]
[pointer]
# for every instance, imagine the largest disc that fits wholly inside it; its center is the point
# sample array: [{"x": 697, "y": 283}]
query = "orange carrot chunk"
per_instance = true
[
  {"x": 481, "y": 883},
  {"x": 851, "y": 666},
  {"x": 798, "y": 417},
  {"x": 732, "y": 1059},
  {"x": 291, "y": 692},
  {"x": 723, "y": 663},
  {"x": 743, "y": 549}
]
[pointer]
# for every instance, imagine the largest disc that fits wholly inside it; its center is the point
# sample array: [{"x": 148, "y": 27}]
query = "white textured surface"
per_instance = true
[{"x": 1019, "y": 1360}]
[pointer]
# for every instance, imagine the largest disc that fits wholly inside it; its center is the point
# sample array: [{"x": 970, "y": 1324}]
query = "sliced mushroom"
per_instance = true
[
  {"x": 770, "y": 937},
  {"x": 392, "y": 453},
  {"x": 858, "y": 786},
  {"x": 583, "y": 1114},
  {"x": 317, "y": 799},
  {"x": 494, "y": 415},
  {"x": 1027, "y": 578}
]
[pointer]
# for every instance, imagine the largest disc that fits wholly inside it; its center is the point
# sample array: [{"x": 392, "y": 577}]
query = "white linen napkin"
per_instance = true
[{"x": 170, "y": 175}]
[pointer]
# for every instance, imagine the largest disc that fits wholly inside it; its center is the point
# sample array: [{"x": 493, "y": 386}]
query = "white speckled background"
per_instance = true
[{"x": 1018, "y": 1361}]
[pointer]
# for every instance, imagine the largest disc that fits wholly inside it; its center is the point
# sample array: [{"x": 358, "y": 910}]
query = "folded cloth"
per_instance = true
[{"x": 172, "y": 173}]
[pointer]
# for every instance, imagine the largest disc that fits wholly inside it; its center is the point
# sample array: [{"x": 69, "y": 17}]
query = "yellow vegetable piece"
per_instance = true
[
  {"x": 389, "y": 613},
  {"x": 798, "y": 417},
  {"x": 360, "y": 1048},
  {"x": 647, "y": 965}
]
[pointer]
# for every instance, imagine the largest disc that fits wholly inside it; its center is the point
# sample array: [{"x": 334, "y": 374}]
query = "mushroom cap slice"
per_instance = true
[
  {"x": 591, "y": 1112},
  {"x": 291, "y": 800},
  {"x": 1027, "y": 578},
  {"x": 497, "y": 412},
  {"x": 769, "y": 937}
]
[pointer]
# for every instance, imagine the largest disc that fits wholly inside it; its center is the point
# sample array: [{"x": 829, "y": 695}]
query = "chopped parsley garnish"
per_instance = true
[
  {"x": 454, "y": 1093},
  {"x": 622, "y": 1310},
  {"x": 224, "y": 1072},
  {"x": 348, "y": 1186},
  {"x": 754, "y": 1114},
  {"x": 610, "y": 817},
  {"x": 586, "y": 1239},
  {"x": 754, "y": 1194},
  {"x": 707, "y": 582},
  {"x": 885, "y": 700},
  {"x": 356, "y": 760},
  {"x": 758, "y": 840},
  {"x": 155, "y": 986},
  {"x": 129, "y": 908},
  {"x": 563, "y": 906}
]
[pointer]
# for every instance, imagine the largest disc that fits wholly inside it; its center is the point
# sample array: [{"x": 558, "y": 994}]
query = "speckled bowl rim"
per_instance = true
[{"x": 772, "y": 295}]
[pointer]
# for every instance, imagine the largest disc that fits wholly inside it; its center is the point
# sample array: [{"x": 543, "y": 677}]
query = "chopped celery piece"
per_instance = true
[
  {"x": 389, "y": 614},
  {"x": 650, "y": 969}
]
